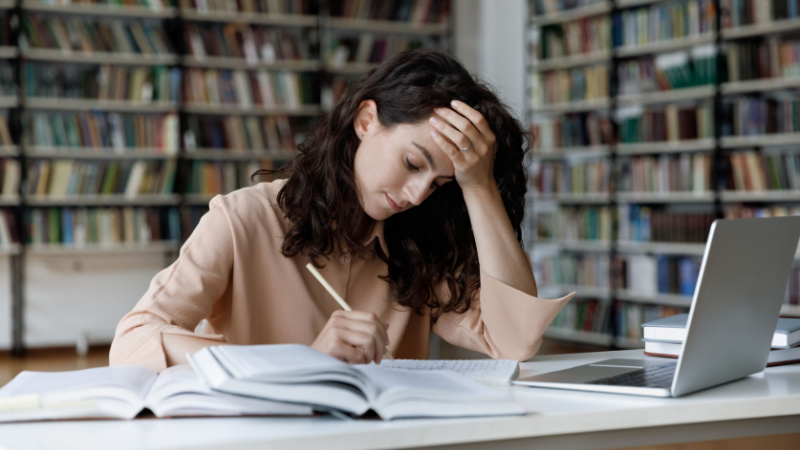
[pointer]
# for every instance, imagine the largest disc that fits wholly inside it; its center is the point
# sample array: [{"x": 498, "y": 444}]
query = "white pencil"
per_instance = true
[{"x": 336, "y": 296}]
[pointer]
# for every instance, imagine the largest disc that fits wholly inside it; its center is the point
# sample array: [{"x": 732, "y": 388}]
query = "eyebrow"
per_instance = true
[{"x": 429, "y": 158}]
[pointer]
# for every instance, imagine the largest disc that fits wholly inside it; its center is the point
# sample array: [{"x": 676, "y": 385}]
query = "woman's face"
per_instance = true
[{"x": 397, "y": 168}]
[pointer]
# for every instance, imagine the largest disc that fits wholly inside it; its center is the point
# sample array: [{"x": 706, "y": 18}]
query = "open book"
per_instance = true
[
  {"x": 299, "y": 374},
  {"x": 122, "y": 392}
]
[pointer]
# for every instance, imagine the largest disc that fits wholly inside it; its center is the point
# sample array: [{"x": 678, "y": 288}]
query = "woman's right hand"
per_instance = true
[{"x": 356, "y": 337}]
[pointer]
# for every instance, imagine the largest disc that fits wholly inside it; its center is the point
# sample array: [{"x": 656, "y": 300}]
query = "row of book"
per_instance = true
[
  {"x": 65, "y": 177},
  {"x": 575, "y": 269},
  {"x": 77, "y": 227},
  {"x": 302, "y": 7},
  {"x": 93, "y": 34},
  {"x": 749, "y": 115},
  {"x": 663, "y": 21},
  {"x": 756, "y": 171},
  {"x": 562, "y": 86},
  {"x": 367, "y": 48},
  {"x": 629, "y": 317},
  {"x": 571, "y": 130},
  {"x": 582, "y": 176},
  {"x": 658, "y": 274},
  {"x": 684, "y": 172},
  {"x": 248, "y": 88},
  {"x": 99, "y": 129},
  {"x": 8, "y": 84},
  {"x": 244, "y": 41},
  {"x": 747, "y": 12},
  {"x": 672, "y": 122},
  {"x": 668, "y": 71},
  {"x": 213, "y": 177},
  {"x": 739, "y": 211},
  {"x": 589, "y": 315},
  {"x": 151, "y": 4},
  {"x": 103, "y": 82},
  {"x": 241, "y": 133},
  {"x": 9, "y": 177},
  {"x": 640, "y": 223},
  {"x": 411, "y": 11},
  {"x": 574, "y": 223},
  {"x": 585, "y": 35},
  {"x": 545, "y": 7},
  {"x": 762, "y": 58},
  {"x": 8, "y": 228}
]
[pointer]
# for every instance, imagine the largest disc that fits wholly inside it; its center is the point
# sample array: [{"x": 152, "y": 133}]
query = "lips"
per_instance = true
[{"x": 392, "y": 204}]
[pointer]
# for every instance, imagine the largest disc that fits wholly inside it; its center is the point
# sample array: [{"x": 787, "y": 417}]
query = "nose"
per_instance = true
[{"x": 416, "y": 192}]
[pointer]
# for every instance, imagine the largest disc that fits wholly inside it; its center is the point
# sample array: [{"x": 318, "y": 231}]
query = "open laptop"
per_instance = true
[{"x": 734, "y": 311}]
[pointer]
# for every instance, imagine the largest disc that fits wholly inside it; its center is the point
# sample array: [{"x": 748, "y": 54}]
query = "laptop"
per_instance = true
[{"x": 734, "y": 311}]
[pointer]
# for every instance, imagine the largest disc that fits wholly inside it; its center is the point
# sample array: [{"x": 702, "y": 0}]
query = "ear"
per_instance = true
[{"x": 366, "y": 118}]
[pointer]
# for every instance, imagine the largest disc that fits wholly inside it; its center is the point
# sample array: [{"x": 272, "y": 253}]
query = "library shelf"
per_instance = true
[
  {"x": 103, "y": 200},
  {"x": 155, "y": 247},
  {"x": 664, "y": 46},
  {"x": 102, "y": 10},
  {"x": 641, "y": 148},
  {"x": 760, "y": 196},
  {"x": 9, "y": 200},
  {"x": 90, "y": 104},
  {"x": 790, "y": 310},
  {"x": 633, "y": 3},
  {"x": 9, "y": 102},
  {"x": 561, "y": 153},
  {"x": 256, "y": 110},
  {"x": 9, "y": 151},
  {"x": 7, "y": 4},
  {"x": 679, "y": 300},
  {"x": 230, "y": 154},
  {"x": 661, "y": 248},
  {"x": 587, "y": 197},
  {"x": 598, "y": 292},
  {"x": 592, "y": 9},
  {"x": 8, "y": 52},
  {"x": 665, "y": 197},
  {"x": 628, "y": 343},
  {"x": 567, "y": 62},
  {"x": 97, "y": 153},
  {"x": 574, "y": 106},
  {"x": 760, "y": 85},
  {"x": 669, "y": 96},
  {"x": 10, "y": 249},
  {"x": 576, "y": 245},
  {"x": 286, "y": 20},
  {"x": 760, "y": 140},
  {"x": 138, "y": 59},
  {"x": 580, "y": 336},
  {"x": 198, "y": 199},
  {"x": 386, "y": 26},
  {"x": 242, "y": 63},
  {"x": 350, "y": 68},
  {"x": 760, "y": 29}
]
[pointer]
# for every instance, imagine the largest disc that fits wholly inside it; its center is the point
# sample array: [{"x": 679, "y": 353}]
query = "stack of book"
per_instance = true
[{"x": 665, "y": 337}]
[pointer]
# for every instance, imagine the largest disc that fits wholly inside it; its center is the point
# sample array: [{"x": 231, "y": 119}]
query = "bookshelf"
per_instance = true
[
  {"x": 692, "y": 116},
  {"x": 124, "y": 120}
]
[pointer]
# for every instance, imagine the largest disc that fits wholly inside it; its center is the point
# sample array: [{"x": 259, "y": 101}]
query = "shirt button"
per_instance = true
[{"x": 344, "y": 259}]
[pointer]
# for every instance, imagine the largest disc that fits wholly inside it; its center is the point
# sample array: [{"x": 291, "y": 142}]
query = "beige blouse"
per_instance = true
[{"x": 231, "y": 272}]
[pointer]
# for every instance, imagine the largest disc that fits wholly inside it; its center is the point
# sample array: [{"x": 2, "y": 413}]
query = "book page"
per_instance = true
[
  {"x": 178, "y": 391},
  {"x": 487, "y": 371}
]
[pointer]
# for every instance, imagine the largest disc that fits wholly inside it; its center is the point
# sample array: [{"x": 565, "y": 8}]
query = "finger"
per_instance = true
[
  {"x": 474, "y": 116},
  {"x": 366, "y": 322},
  {"x": 447, "y": 146},
  {"x": 364, "y": 342},
  {"x": 349, "y": 354},
  {"x": 455, "y": 127}
]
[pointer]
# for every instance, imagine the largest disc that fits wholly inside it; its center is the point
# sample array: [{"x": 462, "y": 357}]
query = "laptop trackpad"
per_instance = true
[{"x": 591, "y": 372}]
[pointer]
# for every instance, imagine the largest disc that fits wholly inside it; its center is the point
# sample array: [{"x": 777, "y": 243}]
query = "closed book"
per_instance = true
[
  {"x": 299, "y": 374},
  {"x": 673, "y": 328},
  {"x": 123, "y": 392},
  {"x": 777, "y": 356}
]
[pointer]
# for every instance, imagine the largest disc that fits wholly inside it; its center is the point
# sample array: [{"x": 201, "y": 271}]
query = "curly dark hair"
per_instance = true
[{"x": 430, "y": 243}]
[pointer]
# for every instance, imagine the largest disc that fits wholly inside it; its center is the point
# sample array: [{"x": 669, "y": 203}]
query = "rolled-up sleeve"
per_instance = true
[
  {"x": 180, "y": 296},
  {"x": 502, "y": 322}
]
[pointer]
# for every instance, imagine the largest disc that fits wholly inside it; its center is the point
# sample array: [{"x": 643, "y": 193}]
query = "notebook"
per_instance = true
[
  {"x": 742, "y": 280},
  {"x": 486, "y": 371}
]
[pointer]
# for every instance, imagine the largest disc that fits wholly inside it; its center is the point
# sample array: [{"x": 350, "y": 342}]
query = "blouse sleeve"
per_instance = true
[
  {"x": 179, "y": 296},
  {"x": 502, "y": 322}
]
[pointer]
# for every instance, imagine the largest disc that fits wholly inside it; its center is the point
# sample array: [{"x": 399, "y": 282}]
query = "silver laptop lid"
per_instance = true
[{"x": 741, "y": 287}]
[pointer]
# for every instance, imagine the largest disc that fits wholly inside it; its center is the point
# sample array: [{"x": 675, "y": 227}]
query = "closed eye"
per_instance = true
[{"x": 411, "y": 166}]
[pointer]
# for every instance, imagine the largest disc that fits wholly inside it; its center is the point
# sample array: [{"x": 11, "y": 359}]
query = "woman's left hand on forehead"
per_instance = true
[{"x": 465, "y": 136}]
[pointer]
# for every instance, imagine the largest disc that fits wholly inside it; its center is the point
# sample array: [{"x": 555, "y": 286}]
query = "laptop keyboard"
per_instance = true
[{"x": 656, "y": 376}]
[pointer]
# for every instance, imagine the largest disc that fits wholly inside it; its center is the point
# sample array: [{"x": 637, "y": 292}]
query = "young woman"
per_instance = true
[{"x": 409, "y": 196}]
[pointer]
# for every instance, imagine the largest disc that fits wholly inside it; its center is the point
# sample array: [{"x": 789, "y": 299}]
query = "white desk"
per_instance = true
[{"x": 764, "y": 404}]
